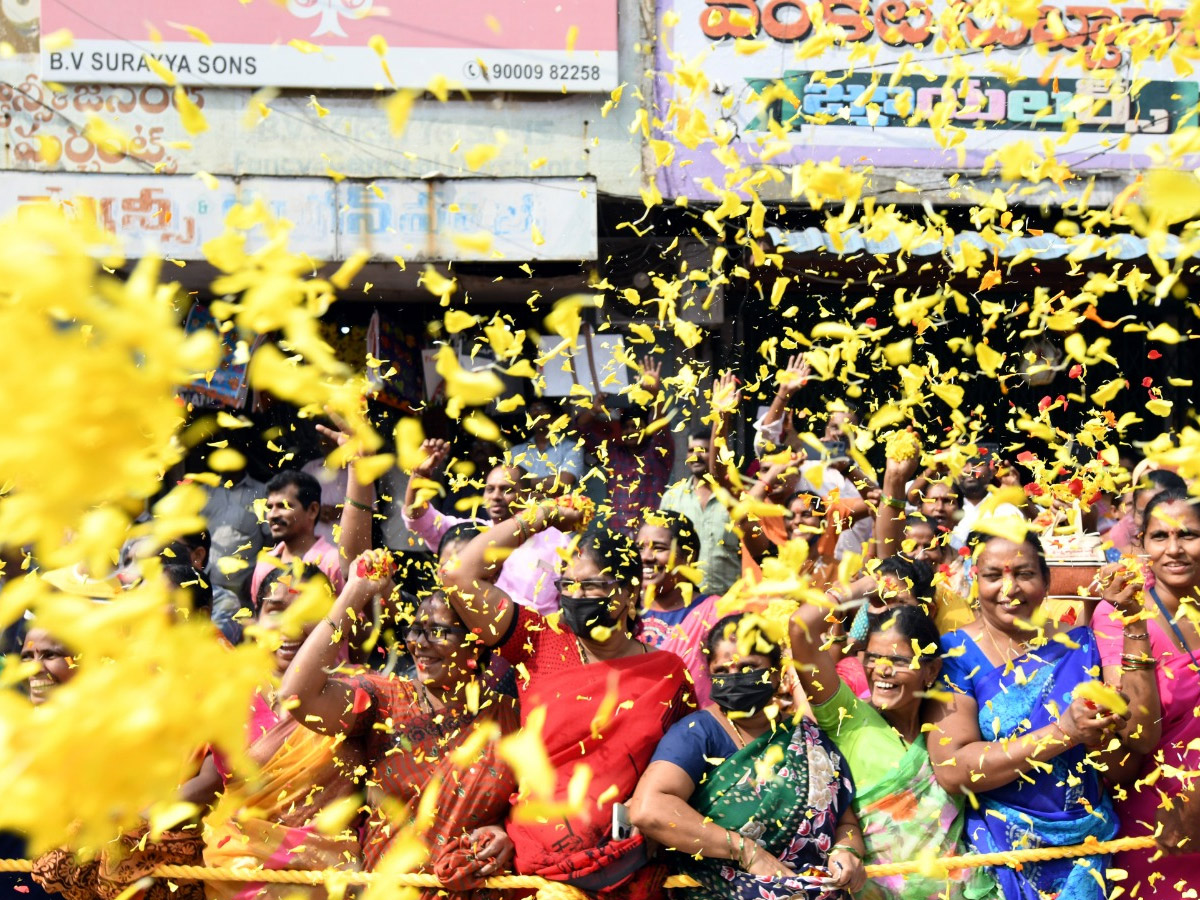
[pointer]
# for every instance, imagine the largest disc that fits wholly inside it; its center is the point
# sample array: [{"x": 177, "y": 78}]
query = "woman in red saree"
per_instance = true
[
  {"x": 606, "y": 698},
  {"x": 410, "y": 730}
]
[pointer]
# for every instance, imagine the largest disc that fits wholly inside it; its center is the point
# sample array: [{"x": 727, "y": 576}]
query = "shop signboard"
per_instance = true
[
  {"x": 416, "y": 220},
  {"x": 470, "y": 219},
  {"x": 867, "y": 101},
  {"x": 484, "y": 45}
]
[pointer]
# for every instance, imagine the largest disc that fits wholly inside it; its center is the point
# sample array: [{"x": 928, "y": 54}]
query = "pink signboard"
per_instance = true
[{"x": 503, "y": 45}]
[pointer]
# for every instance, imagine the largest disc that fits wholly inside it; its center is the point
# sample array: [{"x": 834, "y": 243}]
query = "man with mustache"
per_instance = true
[{"x": 293, "y": 508}]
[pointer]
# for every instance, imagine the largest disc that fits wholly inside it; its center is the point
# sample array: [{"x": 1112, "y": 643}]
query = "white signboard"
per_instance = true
[
  {"x": 472, "y": 219},
  {"x": 417, "y": 220}
]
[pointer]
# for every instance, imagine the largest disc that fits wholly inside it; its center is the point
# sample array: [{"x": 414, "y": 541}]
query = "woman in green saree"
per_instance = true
[
  {"x": 756, "y": 806},
  {"x": 905, "y": 814}
]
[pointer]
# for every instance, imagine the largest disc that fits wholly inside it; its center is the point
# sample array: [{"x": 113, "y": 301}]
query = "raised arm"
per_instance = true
[
  {"x": 651, "y": 381},
  {"x": 1135, "y": 680},
  {"x": 815, "y": 667},
  {"x": 791, "y": 379},
  {"x": 916, "y": 492},
  {"x": 322, "y": 702},
  {"x": 963, "y": 761},
  {"x": 469, "y": 578},
  {"x": 725, "y": 399},
  {"x": 889, "y": 525},
  {"x": 354, "y": 532},
  {"x": 436, "y": 452}
]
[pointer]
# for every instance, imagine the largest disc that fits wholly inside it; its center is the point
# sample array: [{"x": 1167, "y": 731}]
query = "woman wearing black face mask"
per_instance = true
[
  {"x": 773, "y": 820},
  {"x": 606, "y": 698}
]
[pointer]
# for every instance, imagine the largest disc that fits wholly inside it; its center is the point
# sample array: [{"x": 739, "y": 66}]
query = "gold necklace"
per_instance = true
[
  {"x": 1013, "y": 653},
  {"x": 739, "y": 736}
]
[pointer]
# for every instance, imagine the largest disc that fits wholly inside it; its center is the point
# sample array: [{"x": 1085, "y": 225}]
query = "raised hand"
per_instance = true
[
  {"x": 651, "y": 378},
  {"x": 436, "y": 452},
  {"x": 571, "y": 512},
  {"x": 794, "y": 376},
  {"x": 725, "y": 394},
  {"x": 341, "y": 434},
  {"x": 337, "y": 436},
  {"x": 1121, "y": 585}
]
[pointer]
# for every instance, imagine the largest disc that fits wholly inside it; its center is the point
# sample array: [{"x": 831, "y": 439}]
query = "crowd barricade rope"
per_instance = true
[{"x": 556, "y": 890}]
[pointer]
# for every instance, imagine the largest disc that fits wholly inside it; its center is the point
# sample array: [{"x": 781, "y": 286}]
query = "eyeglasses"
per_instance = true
[
  {"x": 592, "y": 588},
  {"x": 434, "y": 634},
  {"x": 871, "y": 660}
]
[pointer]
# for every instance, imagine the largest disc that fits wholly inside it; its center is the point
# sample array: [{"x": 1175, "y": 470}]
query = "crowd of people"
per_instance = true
[{"x": 767, "y": 676}]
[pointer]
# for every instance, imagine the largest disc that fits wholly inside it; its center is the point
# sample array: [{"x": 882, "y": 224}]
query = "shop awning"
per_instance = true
[{"x": 950, "y": 243}]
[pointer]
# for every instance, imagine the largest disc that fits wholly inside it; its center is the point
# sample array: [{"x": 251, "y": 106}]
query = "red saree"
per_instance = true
[
  {"x": 609, "y": 716},
  {"x": 408, "y": 748}
]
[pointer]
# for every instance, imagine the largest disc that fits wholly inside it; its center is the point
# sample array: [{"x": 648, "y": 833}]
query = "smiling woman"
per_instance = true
[
  {"x": 1015, "y": 732},
  {"x": 675, "y": 616},
  {"x": 1168, "y": 650},
  {"x": 133, "y": 855},
  {"x": 270, "y": 820},
  {"x": 408, "y": 730},
  {"x": 55, "y": 665},
  {"x": 902, "y": 809}
]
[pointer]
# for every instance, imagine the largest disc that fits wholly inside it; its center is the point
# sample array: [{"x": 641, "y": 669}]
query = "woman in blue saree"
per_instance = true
[{"x": 1014, "y": 731}]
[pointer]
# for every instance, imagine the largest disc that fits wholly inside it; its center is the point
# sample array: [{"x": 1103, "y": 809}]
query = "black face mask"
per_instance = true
[
  {"x": 743, "y": 691},
  {"x": 585, "y": 613}
]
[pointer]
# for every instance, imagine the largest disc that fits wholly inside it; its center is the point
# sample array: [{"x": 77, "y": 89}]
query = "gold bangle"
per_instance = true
[{"x": 1066, "y": 738}]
